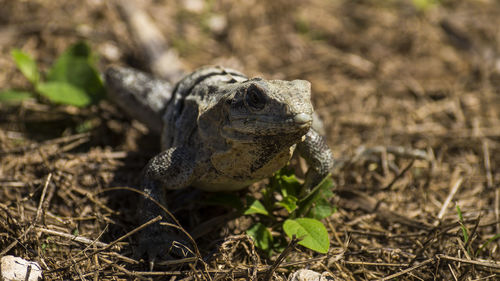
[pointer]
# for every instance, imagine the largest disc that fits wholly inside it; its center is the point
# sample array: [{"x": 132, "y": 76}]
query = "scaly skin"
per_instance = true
[{"x": 221, "y": 131}]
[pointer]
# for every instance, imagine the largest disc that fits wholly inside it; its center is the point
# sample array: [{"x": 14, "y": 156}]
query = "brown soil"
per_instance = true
[{"x": 410, "y": 101}]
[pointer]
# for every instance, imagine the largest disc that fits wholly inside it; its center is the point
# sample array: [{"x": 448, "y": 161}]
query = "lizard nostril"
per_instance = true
[{"x": 302, "y": 118}]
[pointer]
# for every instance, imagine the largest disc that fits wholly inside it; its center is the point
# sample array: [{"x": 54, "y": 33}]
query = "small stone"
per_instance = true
[
  {"x": 110, "y": 51},
  {"x": 17, "y": 269},
  {"x": 309, "y": 275},
  {"x": 217, "y": 23},
  {"x": 195, "y": 6}
]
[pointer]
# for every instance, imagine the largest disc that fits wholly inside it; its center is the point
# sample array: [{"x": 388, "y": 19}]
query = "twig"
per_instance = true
[
  {"x": 386, "y": 235},
  {"x": 122, "y": 269},
  {"x": 398, "y": 151},
  {"x": 45, "y": 143},
  {"x": 352, "y": 199},
  {"x": 497, "y": 208},
  {"x": 452, "y": 272},
  {"x": 73, "y": 144},
  {"x": 44, "y": 191},
  {"x": 402, "y": 272},
  {"x": 474, "y": 262},
  {"x": 473, "y": 232},
  {"x": 14, "y": 243},
  {"x": 364, "y": 263},
  {"x": 281, "y": 257},
  {"x": 176, "y": 261},
  {"x": 130, "y": 233},
  {"x": 79, "y": 239},
  {"x": 452, "y": 193},
  {"x": 162, "y": 61},
  {"x": 73, "y": 262},
  {"x": 489, "y": 182},
  {"x": 178, "y": 225},
  {"x": 159, "y": 273},
  {"x": 398, "y": 176},
  {"x": 487, "y": 165}
]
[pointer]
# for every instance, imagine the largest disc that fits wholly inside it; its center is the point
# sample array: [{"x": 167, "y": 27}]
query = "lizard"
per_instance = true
[{"x": 220, "y": 130}]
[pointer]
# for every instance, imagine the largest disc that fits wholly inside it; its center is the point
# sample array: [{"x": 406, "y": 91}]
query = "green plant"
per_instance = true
[
  {"x": 466, "y": 236},
  {"x": 72, "y": 80},
  {"x": 465, "y": 231},
  {"x": 491, "y": 239},
  {"x": 284, "y": 205},
  {"x": 423, "y": 5}
]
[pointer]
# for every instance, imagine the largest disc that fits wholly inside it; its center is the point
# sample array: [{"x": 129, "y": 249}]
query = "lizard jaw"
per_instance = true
[{"x": 264, "y": 125}]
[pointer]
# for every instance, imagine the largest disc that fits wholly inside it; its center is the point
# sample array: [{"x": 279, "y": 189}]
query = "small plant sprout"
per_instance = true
[{"x": 73, "y": 79}]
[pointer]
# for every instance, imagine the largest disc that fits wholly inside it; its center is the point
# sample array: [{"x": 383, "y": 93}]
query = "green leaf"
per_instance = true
[
  {"x": 322, "y": 190},
  {"x": 312, "y": 232},
  {"x": 14, "y": 96},
  {"x": 321, "y": 209},
  {"x": 261, "y": 235},
  {"x": 64, "y": 93},
  {"x": 459, "y": 213},
  {"x": 79, "y": 49},
  {"x": 424, "y": 5},
  {"x": 76, "y": 66},
  {"x": 465, "y": 232},
  {"x": 497, "y": 236},
  {"x": 290, "y": 185},
  {"x": 84, "y": 127},
  {"x": 255, "y": 207},
  {"x": 26, "y": 65},
  {"x": 289, "y": 203},
  {"x": 287, "y": 183}
]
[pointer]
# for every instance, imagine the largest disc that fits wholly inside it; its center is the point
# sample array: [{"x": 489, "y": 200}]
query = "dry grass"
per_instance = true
[{"x": 410, "y": 102}]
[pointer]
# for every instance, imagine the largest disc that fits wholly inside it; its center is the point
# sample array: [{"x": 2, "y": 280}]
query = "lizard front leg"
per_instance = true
[
  {"x": 171, "y": 169},
  {"x": 319, "y": 157}
]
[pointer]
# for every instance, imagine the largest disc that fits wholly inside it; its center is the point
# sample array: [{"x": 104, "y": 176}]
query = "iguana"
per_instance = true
[{"x": 220, "y": 130}]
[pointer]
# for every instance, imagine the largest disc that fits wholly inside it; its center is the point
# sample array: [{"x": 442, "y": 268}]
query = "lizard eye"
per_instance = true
[{"x": 255, "y": 98}]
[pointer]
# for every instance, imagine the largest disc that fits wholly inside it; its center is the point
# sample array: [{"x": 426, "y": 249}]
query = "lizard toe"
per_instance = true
[{"x": 163, "y": 245}]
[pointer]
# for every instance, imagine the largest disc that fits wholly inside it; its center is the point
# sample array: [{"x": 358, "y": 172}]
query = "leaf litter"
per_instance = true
[{"x": 409, "y": 98}]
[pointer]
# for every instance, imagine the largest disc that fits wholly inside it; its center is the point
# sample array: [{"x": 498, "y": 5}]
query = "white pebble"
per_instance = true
[
  {"x": 16, "y": 269},
  {"x": 309, "y": 275}
]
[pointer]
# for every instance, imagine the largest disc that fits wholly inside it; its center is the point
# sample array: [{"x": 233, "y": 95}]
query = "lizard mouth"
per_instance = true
[{"x": 243, "y": 127}]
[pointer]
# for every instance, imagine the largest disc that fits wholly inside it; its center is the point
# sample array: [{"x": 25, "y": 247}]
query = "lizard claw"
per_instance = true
[{"x": 158, "y": 243}]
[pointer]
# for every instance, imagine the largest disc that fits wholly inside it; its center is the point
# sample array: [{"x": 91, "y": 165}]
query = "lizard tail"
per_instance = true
[{"x": 141, "y": 96}]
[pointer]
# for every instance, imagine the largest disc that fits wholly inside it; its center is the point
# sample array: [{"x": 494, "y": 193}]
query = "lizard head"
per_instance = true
[{"x": 260, "y": 108}]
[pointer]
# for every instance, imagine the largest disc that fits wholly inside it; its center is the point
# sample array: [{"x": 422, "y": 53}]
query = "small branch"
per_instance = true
[
  {"x": 61, "y": 140},
  {"x": 42, "y": 198},
  {"x": 177, "y": 224},
  {"x": 122, "y": 269},
  {"x": 282, "y": 256},
  {"x": 473, "y": 232},
  {"x": 398, "y": 176},
  {"x": 452, "y": 193},
  {"x": 154, "y": 220},
  {"x": 487, "y": 165},
  {"x": 161, "y": 60},
  {"x": 402, "y": 272},
  {"x": 14, "y": 243},
  {"x": 474, "y": 262},
  {"x": 363, "y": 263},
  {"x": 489, "y": 182},
  {"x": 158, "y": 218},
  {"x": 79, "y": 239}
]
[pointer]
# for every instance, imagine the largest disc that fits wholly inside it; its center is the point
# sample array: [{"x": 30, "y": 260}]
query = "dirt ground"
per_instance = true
[{"x": 409, "y": 96}]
